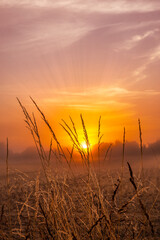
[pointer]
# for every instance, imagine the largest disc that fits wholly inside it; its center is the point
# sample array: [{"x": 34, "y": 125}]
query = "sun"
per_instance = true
[{"x": 84, "y": 145}]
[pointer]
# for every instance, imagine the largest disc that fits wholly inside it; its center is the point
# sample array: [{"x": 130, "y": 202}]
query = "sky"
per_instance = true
[{"x": 95, "y": 57}]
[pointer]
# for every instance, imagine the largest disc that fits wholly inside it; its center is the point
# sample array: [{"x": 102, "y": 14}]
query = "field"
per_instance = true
[
  {"x": 75, "y": 201},
  {"x": 75, "y": 207}
]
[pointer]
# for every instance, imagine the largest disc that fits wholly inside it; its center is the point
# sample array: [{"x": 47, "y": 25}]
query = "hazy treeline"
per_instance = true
[{"x": 131, "y": 150}]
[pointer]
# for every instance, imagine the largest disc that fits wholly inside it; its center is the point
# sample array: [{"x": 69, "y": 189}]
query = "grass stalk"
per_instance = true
[
  {"x": 8, "y": 186},
  {"x": 123, "y": 153},
  {"x": 141, "y": 148}
]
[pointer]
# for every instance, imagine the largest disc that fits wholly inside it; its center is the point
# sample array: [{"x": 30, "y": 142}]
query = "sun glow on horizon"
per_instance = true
[{"x": 84, "y": 145}]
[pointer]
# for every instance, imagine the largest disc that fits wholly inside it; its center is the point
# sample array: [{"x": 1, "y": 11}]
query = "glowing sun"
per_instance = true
[{"x": 84, "y": 145}]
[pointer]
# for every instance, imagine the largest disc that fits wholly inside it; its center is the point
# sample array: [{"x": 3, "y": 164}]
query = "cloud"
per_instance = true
[
  {"x": 90, "y": 5},
  {"x": 23, "y": 27},
  {"x": 109, "y": 35},
  {"x": 111, "y": 98}
]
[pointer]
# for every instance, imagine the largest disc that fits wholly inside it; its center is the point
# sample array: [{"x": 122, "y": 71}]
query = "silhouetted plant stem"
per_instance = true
[{"x": 141, "y": 148}]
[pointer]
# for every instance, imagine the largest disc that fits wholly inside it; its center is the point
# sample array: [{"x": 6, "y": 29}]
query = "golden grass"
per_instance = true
[{"x": 57, "y": 205}]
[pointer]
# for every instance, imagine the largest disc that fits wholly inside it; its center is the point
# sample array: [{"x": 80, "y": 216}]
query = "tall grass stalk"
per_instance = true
[
  {"x": 99, "y": 143},
  {"x": 8, "y": 186},
  {"x": 141, "y": 148},
  {"x": 7, "y": 167},
  {"x": 123, "y": 152}
]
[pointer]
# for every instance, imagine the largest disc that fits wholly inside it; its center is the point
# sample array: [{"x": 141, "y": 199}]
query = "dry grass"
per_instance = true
[{"x": 63, "y": 204}]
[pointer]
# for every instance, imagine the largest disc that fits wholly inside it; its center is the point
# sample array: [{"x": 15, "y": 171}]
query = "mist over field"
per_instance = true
[{"x": 151, "y": 155}]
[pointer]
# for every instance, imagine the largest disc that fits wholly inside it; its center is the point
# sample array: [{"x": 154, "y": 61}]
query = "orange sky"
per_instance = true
[{"x": 95, "y": 58}]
